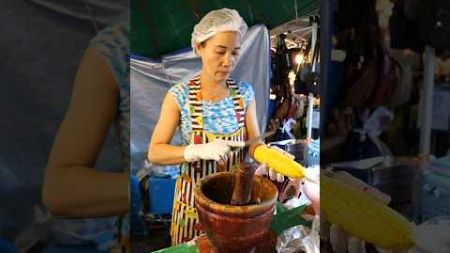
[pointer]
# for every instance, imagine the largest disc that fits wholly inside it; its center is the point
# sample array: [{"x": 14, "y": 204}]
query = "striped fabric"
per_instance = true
[{"x": 185, "y": 224}]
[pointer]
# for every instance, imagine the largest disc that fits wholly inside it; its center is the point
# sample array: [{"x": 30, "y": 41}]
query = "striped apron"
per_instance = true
[{"x": 185, "y": 226}]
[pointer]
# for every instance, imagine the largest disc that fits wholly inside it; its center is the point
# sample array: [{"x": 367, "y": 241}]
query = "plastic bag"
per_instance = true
[{"x": 300, "y": 239}]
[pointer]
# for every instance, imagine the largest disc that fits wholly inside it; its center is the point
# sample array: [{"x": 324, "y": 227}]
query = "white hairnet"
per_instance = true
[{"x": 217, "y": 21}]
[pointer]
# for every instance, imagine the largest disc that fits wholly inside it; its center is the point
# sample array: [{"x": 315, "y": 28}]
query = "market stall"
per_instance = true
[{"x": 281, "y": 44}]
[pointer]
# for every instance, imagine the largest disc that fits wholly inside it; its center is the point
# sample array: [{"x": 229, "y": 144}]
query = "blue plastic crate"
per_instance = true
[
  {"x": 313, "y": 153},
  {"x": 161, "y": 195},
  {"x": 137, "y": 224},
  {"x": 435, "y": 196},
  {"x": 7, "y": 246}
]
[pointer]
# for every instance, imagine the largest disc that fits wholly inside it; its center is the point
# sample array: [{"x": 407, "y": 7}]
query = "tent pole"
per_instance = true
[
  {"x": 326, "y": 33},
  {"x": 315, "y": 27},
  {"x": 309, "y": 116},
  {"x": 427, "y": 105}
]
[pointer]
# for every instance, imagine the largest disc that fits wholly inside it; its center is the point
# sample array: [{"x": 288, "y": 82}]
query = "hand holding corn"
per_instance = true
[
  {"x": 356, "y": 213},
  {"x": 279, "y": 161}
]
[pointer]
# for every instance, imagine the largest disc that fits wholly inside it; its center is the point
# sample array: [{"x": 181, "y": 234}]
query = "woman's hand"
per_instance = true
[
  {"x": 311, "y": 188},
  {"x": 264, "y": 170},
  {"x": 217, "y": 150}
]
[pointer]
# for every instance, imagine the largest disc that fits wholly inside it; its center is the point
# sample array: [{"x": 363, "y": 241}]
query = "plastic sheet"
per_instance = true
[
  {"x": 106, "y": 12},
  {"x": 300, "y": 239}
]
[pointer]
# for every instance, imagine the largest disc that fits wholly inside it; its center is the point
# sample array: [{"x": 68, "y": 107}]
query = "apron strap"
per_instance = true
[{"x": 238, "y": 101}]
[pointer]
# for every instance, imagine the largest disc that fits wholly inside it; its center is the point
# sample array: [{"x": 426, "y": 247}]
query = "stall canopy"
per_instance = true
[{"x": 152, "y": 38}]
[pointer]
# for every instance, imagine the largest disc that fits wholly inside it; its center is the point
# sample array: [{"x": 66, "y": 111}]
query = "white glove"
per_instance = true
[
  {"x": 338, "y": 239},
  {"x": 342, "y": 242},
  {"x": 263, "y": 170},
  {"x": 235, "y": 144},
  {"x": 217, "y": 150}
]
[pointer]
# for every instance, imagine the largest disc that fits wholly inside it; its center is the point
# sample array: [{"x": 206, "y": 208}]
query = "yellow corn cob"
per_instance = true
[
  {"x": 278, "y": 161},
  {"x": 364, "y": 217}
]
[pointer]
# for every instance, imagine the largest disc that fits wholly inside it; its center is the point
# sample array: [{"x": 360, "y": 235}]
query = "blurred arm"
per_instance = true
[{"x": 72, "y": 187}]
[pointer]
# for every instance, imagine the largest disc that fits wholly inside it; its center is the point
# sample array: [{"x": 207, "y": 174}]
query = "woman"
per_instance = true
[
  {"x": 214, "y": 112},
  {"x": 73, "y": 188}
]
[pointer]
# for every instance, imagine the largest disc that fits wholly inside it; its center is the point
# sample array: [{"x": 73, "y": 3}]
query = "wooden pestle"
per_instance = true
[{"x": 242, "y": 192}]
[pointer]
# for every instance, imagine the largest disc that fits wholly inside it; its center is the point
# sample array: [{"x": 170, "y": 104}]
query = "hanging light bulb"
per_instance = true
[
  {"x": 272, "y": 96},
  {"x": 299, "y": 58}
]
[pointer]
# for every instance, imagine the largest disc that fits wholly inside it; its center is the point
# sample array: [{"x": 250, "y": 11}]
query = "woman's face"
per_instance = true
[{"x": 219, "y": 55}]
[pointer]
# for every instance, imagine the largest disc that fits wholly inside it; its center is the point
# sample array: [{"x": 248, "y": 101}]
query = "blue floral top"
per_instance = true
[{"x": 218, "y": 117}]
